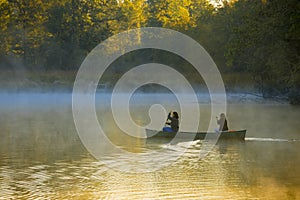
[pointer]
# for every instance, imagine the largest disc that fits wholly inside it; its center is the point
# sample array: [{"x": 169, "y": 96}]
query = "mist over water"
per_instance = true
[{"x": 41, "y": 155}]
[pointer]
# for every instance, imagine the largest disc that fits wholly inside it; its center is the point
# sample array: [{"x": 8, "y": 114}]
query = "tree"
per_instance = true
[
  {"x": 26, "y": 19},
  {"x": 134, "y": 14},
  {"x": 77, "y": 27},
  {"x": 174, "y": 14},
  {"x": 262, "y": 41},
  {"x": 5, "y": 18}
]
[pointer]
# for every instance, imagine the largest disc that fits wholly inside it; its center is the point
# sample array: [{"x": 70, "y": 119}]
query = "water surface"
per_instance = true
[{"x": 41, "y": 155}]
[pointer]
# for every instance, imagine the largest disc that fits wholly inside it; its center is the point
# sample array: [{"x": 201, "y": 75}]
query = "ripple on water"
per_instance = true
[{"x": 30, "y": 169}]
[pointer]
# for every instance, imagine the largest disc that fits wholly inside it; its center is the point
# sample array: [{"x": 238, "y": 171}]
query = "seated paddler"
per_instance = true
[
  {"x": 222, "y": 122},
  {"x": 172, "y": 122}
]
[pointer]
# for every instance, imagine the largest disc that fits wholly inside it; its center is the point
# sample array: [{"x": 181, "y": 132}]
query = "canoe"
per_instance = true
[{"x": 231, "y": 134}]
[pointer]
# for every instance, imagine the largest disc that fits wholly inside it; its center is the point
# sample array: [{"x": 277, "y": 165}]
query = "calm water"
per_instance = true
[{"x": 41, "y": 156}]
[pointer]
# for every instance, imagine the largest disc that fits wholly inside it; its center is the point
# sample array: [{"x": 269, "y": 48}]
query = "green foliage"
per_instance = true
[
  {"x": 263, "y": 40},
  {"x": 257, "y": 37},
  {"x": 5, "y": 18},
  {"x": 22, "y": 28},
  {"x": 177, "y": 14},
  {"x": 134, "y": 14}
]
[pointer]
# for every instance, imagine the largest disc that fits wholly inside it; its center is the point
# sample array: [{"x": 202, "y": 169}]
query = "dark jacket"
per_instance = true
[
  {"x": 174, "y": 123},
  {"x": 223, "y": 124}
]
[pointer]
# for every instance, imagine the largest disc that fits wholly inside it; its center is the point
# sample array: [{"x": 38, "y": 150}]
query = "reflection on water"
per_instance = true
[{"x": 41, "y": 156}]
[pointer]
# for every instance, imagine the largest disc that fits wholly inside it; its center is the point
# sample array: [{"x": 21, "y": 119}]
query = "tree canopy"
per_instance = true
[{"x": 259, "y": 37}]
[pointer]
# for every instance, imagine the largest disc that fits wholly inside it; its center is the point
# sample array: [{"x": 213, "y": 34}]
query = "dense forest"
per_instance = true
[{"x": 256, "y": 37}]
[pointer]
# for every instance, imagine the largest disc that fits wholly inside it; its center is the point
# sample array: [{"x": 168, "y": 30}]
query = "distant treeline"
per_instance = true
[{"x": 259, "y": 37}]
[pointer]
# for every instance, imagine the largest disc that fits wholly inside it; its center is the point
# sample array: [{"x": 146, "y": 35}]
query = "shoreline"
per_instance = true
[{"x": 239, "y": 87}]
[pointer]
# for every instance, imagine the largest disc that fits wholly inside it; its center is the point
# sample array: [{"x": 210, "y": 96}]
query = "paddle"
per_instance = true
[{"x": 168, "y": 117}]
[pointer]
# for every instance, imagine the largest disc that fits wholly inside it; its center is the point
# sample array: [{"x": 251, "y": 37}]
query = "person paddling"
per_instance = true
[
  {"x": 222, "y": 122},
  {"x": 174, "y": 122}
]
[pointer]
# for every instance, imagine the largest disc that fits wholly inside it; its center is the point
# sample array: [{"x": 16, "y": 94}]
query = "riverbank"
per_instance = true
[
  {"x": 18, "y": 80},
  {"x": 239, "y": 86},
  {"x": 39, "y": 81}
]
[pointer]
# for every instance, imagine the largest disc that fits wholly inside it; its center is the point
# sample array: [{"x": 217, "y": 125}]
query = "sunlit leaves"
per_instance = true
[
  {"x": 5, "y": 17},
  {"x": 130, "y": 14},
  {"x": 173, "y": 13},
  {"x": 24, "y": 32}
]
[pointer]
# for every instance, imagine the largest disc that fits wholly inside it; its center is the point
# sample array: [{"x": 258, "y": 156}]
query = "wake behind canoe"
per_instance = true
[{"x": 239, "y": 135}]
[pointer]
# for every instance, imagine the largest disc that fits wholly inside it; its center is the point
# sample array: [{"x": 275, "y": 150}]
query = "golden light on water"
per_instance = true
[{"x": 41, "y": 156}]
